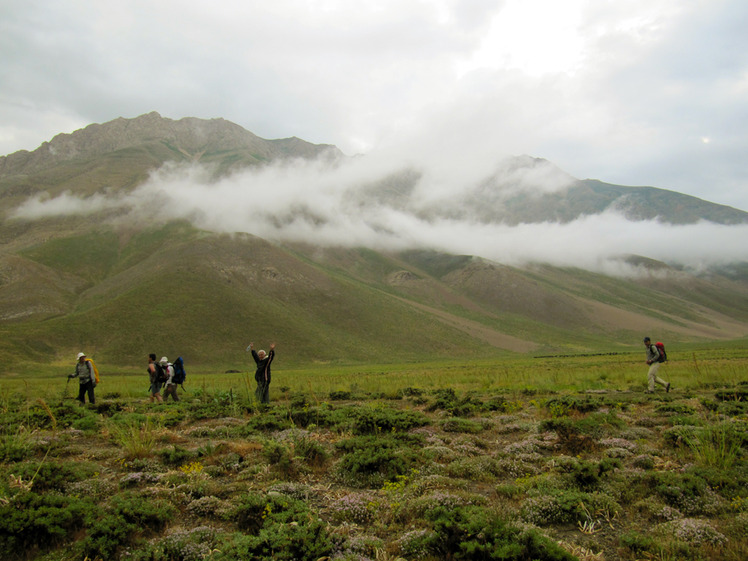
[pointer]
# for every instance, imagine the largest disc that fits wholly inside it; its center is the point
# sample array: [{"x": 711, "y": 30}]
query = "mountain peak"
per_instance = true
[{"x": 188, "y": 138}]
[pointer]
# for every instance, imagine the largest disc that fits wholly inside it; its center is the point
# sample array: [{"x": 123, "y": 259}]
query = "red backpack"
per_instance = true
[{"x": 661, "y": 351}]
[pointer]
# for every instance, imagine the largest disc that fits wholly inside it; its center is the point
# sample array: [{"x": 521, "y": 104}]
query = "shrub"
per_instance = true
[
  {"x": 305, "y": 540},
  {"x": 476, "y": 533},
  {"x": 716, "y": 445},
  {"x": 266, "y": 422},
  {"x": 16, "y": 444},
  {"x": 30, "y": 520},
  {"x": 126, "y": 515},
  {"x": 678, "y": 435},
  {"x": 276, "y": 527},
  {"x": 183, "y": 545},
  {"x": 587, "y": 474},
  {"x": 359, "y": 508},
  {"x": 310, "y": 451},
  {"x": 679, "y": 408},
  {"x": 481, "y": 468},
  {"x": 369, "y": 420},
  {"x": 278, "y": 454},
  {"x": 687, "y": 492},
  {"x": 578, "y": 435},
  {"x": 501, "y": 404},
  {"x": 370, "y": 461},
  {"x": 137, "y": 438},
  {"x": 54, "y": 475},
  {"x": 208, "y": 507},
  {"x": 638, "y": 543},
  {"x": 563, "y": 507},
  {"x": 456, "y": 424},
  {"x": 446, "y": 400},
  {"x": 175, "y": 456},
  {"x": 694, "y": 532},
  {"x": 738, "y": 394}
]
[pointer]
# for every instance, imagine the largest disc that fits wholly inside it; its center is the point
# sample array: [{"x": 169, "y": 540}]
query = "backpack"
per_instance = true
[
  {"x": 160, "y": 374},
  {"x": 95, "y": 370},
  {"x": 661, "y": 351},
  {"x": 179, "y": 374}
]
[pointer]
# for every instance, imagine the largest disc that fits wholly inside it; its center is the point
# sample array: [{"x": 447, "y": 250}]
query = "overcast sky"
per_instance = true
[{"x": 634, "y": 92}]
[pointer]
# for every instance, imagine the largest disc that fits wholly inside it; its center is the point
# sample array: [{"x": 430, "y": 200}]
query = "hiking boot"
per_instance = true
[{"x": 667, "y": 388}]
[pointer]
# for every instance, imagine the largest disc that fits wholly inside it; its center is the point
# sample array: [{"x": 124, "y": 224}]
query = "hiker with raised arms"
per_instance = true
[
  {"x": 262, "y": 374},
  {"x": 654, "y": 359}
]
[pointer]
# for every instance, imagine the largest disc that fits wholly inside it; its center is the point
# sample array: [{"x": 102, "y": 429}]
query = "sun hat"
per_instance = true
[{"x": 80, "y": 355}]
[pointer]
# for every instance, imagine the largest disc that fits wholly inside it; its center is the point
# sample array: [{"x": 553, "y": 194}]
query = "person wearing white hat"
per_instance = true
[
  {"x": 170, "y": 389},
  {"x": 86, "y": 378}
]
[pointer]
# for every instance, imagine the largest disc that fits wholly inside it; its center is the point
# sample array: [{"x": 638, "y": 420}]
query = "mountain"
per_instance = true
[
  {"x": 526, "y": 190},
  {"x": 122, "y": 288}
]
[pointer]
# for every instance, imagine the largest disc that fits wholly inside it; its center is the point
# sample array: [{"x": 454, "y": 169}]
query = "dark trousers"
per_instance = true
[
  {"x": 87, "y": 388},
  {"x": 170, "y": 390},
  {"x": 262, "y": 393}
]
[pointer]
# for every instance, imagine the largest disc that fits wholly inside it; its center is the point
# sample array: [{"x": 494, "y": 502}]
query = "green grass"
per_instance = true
[{"x": 698, "y": 368}]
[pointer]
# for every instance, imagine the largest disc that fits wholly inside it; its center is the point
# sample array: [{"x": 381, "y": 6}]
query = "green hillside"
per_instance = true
[{"x": 119, "y": 289}]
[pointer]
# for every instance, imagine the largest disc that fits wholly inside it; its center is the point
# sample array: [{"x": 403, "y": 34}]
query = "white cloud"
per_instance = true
[
  {"x": 620, "y": 91},
  {"x": 318, "y": 203}
]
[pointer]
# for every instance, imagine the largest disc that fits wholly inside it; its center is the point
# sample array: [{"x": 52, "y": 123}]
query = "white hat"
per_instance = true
[
  {"x": 80, "y": 355},
  {"x": 164, "y": 360}
]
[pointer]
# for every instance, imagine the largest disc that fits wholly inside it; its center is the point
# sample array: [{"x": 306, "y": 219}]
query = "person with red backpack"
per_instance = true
[{"x": 655, "y": 357}]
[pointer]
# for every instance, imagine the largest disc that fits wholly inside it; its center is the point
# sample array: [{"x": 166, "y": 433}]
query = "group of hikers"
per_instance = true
[
  {"x": 164, "y": 374},
  {"x": 167, "y": 375}
]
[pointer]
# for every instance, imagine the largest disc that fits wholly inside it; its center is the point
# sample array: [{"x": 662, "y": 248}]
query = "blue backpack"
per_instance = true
[{"x": 179, "y": 374}]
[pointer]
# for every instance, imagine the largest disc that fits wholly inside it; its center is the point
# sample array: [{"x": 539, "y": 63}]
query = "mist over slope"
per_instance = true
[{"x": 194, "y": 234}]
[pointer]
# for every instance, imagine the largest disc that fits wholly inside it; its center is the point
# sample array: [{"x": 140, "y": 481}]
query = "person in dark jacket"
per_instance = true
[
  {"x": 154, "y": 377},
  {"x": 262, "y": 374},
  {"x": 86, "y": 378}
]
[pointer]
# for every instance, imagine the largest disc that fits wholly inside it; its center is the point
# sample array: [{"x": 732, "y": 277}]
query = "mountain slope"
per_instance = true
[{"x": 121, "y": 288}]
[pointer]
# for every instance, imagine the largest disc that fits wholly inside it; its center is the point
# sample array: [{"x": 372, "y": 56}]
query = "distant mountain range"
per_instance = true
[{"x": 70, "y": 282}]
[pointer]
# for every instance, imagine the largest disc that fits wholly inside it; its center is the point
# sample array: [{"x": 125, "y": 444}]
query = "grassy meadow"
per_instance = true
[
  {"x": 690, "y": 368},
  {"x": 544, "y": 458}
]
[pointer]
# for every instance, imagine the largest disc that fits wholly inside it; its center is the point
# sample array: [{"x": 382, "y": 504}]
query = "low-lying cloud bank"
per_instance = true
[{"x": 333, "y": 205}]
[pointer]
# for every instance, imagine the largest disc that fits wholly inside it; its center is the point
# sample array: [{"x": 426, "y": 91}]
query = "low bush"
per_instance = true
[
  {"x": 447, "y": 400},
  {"x": 476, "y": 533},
  {"x": 563, "y": 507},
  {"x": 31, "y": 521},
  {"x": 457, "y": 424},
  {"x": 126, "y": 516},
  {"x": 275, "y": 527},
  {"x": 175, "y": 456},
  {"x": 370, "y": 461},
  {"x": 376, "y": 420},
  {"x": 312, "y": 452},
  {"x": 52, "y": 475}
]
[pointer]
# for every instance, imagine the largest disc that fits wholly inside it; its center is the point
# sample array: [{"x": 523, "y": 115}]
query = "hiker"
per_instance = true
[
  {"x": 84, "y": 371},
  {"x": 170, "y": 389},
  {"x": 154, "y": 375},
  {"x": 653, "y": 360},
  {"x": 262, "y": 374}
]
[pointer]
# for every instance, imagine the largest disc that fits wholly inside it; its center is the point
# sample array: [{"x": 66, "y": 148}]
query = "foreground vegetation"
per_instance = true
[{"x": 547, "y": 458}]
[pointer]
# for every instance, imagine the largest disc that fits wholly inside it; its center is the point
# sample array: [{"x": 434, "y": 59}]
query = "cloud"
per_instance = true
[
  {"x": 357, "y": 203},
  {"x": 66, "y": 204},
  {"x": 623, "y": 92}
]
